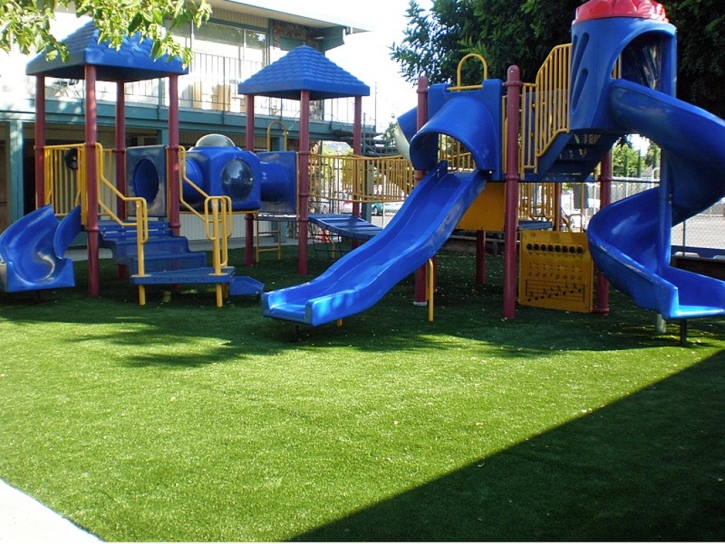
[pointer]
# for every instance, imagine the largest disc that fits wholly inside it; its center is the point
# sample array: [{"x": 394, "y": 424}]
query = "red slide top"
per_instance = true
[{"x": 602, "y": 9}]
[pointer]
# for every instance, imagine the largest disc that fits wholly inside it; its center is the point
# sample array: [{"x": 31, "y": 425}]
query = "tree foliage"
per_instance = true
[
  {"x": 701, "y": 52},
  {"x": 503, "y": 32},
  {"x": 524, "y": 32},
  {"x": 25, "y": 24}
]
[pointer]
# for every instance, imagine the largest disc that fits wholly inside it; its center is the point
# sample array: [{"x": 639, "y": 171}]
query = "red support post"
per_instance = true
[
  {"x": 174, "y": 189},
  {"x": 513, "y": 106},
  {"x": 120, "y": 154},
  {"x": 304, "y": 177},
  {"x": 39, "y": 141},
  {"x": 421, "y": 297},
  {"x": 249, "y": 218},
  {"x": 601, "y": 304},
  {"x": 91, "y": 135},
  {"x": 120, "y": 150}
]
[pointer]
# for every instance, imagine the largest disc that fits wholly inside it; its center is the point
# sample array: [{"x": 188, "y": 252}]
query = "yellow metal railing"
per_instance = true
[
  {"x": 64, "y": 177},
  {"x": 217, "y": 220},
  {"x": 338, "y": 178},
  {"x": 552, "y": 97},
  {"x": 458, "y": 157},
  {"x": 108, "y": 195}
]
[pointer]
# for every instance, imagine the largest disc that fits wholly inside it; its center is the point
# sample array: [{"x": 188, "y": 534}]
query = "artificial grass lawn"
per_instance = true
[{"x": 180, "y": 421}]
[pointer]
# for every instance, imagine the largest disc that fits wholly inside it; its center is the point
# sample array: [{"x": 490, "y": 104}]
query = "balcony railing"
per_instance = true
[{"x": 211, "y": 84}]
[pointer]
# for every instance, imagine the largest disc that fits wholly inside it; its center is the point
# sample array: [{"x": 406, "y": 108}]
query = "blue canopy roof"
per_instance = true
[
  {"x": 132, "y": 62},
  {"x": 304, "y": 69}
]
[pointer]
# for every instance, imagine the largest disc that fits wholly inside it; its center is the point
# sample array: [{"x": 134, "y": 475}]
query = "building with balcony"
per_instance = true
[{"x": 240, "y": 39}]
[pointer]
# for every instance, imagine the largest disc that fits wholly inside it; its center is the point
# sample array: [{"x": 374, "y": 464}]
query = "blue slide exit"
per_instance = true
[
  {"x": 32, "y": 251},
  {"x": 630, "y": 239},
  {"x": 360, "y": 279}
]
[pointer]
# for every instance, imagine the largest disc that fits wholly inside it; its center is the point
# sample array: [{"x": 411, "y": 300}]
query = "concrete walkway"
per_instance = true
[{"x": 23, "y": 519}]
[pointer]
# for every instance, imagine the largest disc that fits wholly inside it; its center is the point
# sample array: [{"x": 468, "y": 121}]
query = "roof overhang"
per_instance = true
[{"x": 301, "y": 13}]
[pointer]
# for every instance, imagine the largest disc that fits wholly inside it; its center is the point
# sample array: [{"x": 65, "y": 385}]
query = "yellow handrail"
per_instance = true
[
  {"x": 140, "y": 223},
  {"x": 459, "y": 86},
  {"x": 269, "y": 134},
  {"x": 217, "y": 217}
]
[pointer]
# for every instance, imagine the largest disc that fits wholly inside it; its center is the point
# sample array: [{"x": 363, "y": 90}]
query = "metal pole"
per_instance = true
[
  {"x": 422, "y": 119},
  {"x": 601, "y": 305},
  {"x": 513, "y": 105}
]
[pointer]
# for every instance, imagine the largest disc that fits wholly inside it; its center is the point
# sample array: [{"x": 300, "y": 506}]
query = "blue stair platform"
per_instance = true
[{"x": 168, "y": 259}]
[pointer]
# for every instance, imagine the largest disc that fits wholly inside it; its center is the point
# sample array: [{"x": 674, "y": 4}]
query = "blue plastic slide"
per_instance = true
[
  {"x": 361, "y": 278},
  {"x": 630, "y": 239},
  {"x": 32, "y": 251}
]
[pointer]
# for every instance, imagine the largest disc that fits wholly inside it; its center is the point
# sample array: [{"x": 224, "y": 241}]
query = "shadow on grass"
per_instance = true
[
  {"x": 464, "y": 310},
  {"x": 648, "y": 467}
]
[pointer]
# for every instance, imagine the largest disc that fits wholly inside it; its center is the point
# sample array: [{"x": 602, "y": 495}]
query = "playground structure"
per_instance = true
[
  {"x": 615, "y": 78},
  {"x": 485, "y": 157}
]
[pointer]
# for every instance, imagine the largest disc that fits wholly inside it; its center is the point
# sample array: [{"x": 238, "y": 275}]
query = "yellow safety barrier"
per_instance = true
[
  {"x": 64, "y": 177},
  {"x": 350, "y": 178}
]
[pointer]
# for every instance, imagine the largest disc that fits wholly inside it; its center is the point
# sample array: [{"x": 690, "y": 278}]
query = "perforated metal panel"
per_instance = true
[{"x": 556, "y": 271}]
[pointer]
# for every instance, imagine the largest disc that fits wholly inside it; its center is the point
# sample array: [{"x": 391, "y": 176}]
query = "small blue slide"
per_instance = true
[
  {"x": 425, "y": 221},
  {"x": 361, "y": 278},
  {"x": 32, "y": 251},
  {"x": 629, "y": 240}
]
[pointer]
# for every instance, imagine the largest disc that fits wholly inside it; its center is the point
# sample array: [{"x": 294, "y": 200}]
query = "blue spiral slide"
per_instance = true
[
  {"x": 32, "y": 251},
  {"x": 630, "y": 239}
]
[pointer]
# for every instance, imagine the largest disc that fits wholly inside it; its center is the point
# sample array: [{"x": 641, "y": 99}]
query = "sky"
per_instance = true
[{"x": 367, "y": 56}]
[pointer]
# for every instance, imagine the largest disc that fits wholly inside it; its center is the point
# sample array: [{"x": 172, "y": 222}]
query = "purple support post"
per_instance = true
[
  {"x": 421, "y": 297},
  {"x": 91, "y": 132},
  {"x": 304, "y": 173},
  {"x": 513, "y": 105},
  {"x": 249, "y": 218},
  {"x": 601, "y": 304},
  {"x": 39, "y": 141},
  {"x": 174, "y": 189}
]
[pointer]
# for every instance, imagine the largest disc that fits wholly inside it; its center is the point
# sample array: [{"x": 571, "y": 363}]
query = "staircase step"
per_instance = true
[
  {"x": 200, "y": 275},
  {"x": 155, "y": 246},
  {"x": 161, "y": 263}
]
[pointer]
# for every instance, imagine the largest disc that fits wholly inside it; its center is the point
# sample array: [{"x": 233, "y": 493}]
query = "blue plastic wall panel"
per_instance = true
[
  {"x": 279, "y": 182},
  {"x": 472, "y": 117},
  {"x": 146, "y": 176},
  {"x": 596, "y": 46},
  {"x": 228, "y": 171}
]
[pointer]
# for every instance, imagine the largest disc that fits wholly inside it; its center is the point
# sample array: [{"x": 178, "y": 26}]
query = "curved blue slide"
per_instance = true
[
  {"x": 32, "y": 251},
  {"x": 361, "y": 278},
  {"x": 630, "y": 239}
]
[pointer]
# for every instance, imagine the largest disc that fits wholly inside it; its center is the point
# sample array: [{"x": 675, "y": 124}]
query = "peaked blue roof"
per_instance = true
[
  {"x": 304, "y": 69},
  {"x": 132, "y": 62}
]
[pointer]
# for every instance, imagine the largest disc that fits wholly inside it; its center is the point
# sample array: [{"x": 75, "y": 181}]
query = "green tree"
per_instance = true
[
  {"x": 524, "y": 32},
  {"x": 700, "y": 51},
  {"x": 25, "y": 24},
  {"x": 503, "y": 32}
]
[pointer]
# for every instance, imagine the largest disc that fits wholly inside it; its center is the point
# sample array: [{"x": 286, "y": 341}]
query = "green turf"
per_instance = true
[{"x": 180, "y": 421}]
